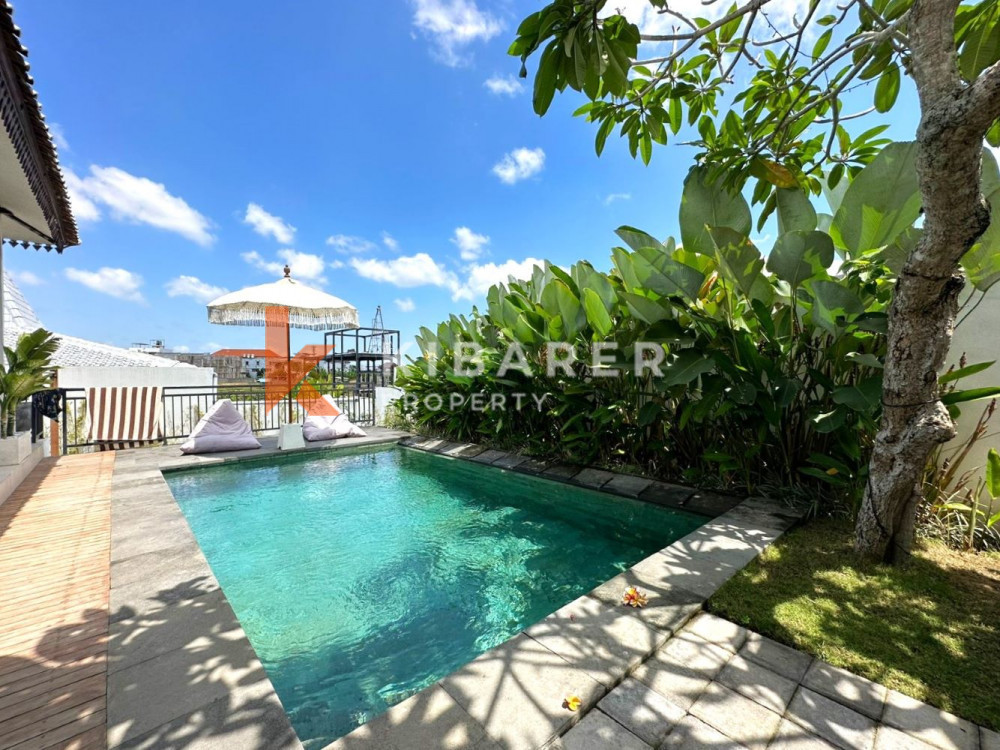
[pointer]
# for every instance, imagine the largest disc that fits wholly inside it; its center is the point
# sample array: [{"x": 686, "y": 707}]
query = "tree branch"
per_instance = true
[
  {"x": 750, "y": 7},
  {"x": 983, "y": 98},
  {"x": 933, "y": 60}
]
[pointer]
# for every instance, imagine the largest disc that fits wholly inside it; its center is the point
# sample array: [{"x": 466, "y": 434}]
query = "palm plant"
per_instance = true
[{"x": 28, "y": 369}]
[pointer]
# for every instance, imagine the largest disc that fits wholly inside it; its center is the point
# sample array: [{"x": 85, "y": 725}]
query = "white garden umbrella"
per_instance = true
[{"x": 307, "y": 308}]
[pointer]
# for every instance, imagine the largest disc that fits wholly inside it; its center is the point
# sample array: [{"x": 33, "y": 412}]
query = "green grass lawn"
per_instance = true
[{"x": 930, "y": 630}]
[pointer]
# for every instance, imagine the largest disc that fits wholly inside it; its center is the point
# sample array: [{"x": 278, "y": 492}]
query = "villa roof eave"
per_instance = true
[{"x": 31, "y": 140}]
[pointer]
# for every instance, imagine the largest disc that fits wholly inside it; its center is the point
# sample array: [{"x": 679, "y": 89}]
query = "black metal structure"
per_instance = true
[{"x": 362, "y": 358}]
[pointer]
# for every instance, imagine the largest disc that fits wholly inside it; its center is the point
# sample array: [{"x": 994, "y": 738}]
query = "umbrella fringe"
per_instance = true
[{"x": 255, "y": 315}]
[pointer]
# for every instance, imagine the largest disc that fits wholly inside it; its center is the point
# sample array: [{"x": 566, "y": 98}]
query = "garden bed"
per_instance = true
[{"x": 930, "y": 629}]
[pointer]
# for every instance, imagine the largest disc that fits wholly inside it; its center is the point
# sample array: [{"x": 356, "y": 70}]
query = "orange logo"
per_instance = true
[{"x": 284, "y": 374}]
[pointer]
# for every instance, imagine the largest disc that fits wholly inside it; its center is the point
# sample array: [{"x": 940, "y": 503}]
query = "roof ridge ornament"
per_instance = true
[{"x": 288, "y": 272}]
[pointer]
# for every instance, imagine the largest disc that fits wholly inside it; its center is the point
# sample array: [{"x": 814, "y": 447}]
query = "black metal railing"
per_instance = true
[{"x": 183, "y": 406}]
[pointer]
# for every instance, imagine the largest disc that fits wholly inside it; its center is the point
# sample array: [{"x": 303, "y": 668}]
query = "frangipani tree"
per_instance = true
[{"x": 785, "y": 129}]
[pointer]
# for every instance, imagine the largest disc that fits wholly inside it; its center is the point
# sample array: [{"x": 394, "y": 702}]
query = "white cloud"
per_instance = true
[
  {"x": 453, "y": 25},
  {"x": 304, "y": 266},
  {"x": 504, "y": 85},
  {"x": 519, "y": 164},
  {"x": 269, "y": 225},
  {"x": 611, "y": 198},
  {"x": 25, "y": 278},
  {"x": 58, "y": 136},
  {"x": 349, "y": 244},
  {"x": 405, "y": 304},
  {"x": 115, "y": 282},
  {"x": 138, "y": 200},
  {"x": 192, "y": 286},
  {"x": 389, "y": 241},
  {"x": 469, "y": 243},
  {"x": 181, "y": 349},
  {"x": 84, "y": 209},
  {"x": 481, "y": 277},
  {"x": 405, "y": 271}
]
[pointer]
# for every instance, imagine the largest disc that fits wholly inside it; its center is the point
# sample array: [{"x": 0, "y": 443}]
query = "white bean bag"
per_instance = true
[
  {"x": 329, "y": 427},
  {"x": 221, "y": 429}
]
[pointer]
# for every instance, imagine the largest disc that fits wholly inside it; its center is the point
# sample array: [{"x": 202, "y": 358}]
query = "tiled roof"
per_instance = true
[{"x": 19, "y": 318}]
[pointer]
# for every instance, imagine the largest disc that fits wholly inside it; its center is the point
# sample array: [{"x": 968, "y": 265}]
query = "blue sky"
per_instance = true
[{"x": 208, "y": 143}]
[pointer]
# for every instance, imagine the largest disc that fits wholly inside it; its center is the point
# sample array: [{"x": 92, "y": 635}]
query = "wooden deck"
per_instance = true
[{"x": 55, "y": 539}]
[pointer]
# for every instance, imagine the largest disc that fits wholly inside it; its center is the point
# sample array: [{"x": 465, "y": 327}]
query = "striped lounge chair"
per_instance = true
[{"x": 122, "y": 418}]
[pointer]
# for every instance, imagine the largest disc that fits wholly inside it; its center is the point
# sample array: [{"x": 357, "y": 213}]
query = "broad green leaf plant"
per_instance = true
[
  {"x": 28, "y": 368},
  {"x": 772, "y": 366}
]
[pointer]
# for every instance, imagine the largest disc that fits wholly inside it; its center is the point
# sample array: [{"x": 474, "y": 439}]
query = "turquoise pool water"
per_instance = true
[{"x": 361, "y": 577}]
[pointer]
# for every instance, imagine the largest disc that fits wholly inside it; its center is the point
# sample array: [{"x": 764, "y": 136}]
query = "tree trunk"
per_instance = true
[{"x": 925, "y": 303}]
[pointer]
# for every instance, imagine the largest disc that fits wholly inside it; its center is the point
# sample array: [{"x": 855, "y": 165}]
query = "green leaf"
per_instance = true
[
  {"x": 887, "y": 89},
  {"x": 795, "y": 211},
  {"x": 982, "y": 43},
  {"x": 993, "y": 473},
  {"x": 636, "y": 238},
  {"x": 798, "y": 256},
  {"x": 864, "y": 397},
  {"x": 964, "y": 372},
  {"x": 687, "y": 366},
  {"x": 558, "y": 299},
  {"x": 545, "y": 78},
  {"x": 830, "y": 421},
  {"x": 704, "y": 204},
  {"x": 597, "y": 313},
  {"x": 881, "y": 202},
  {"x": 739, "y": 261},
  {"x": 970, "y": 394},
  {"x": 649, "y": 413}
]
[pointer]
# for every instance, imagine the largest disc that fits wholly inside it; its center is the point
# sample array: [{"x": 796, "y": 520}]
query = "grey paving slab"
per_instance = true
[
  {"x": 834, "y": 722},
  {"x": 929, "y": 724},
  {"x": 465, "y": 450},
  {"x": 433, "y": 444},
  {"x": 445, "y": 446},
  {"x": 138, "y": 530},
  {"x": 156, "y": 691},
  {"x": 668, "y": 607},
  {"x": 139, "y": 598},
  {"x": 516, "y": 691},
  {"x": 193, "y": 625},
  {"x": 988, "y": 739},
  {"x": 597, "y": 731},
  {"x": 792, "y": 736},
  {"x": 889, "y": 738},
  {"x": 429, "y": 719},
  {"x": 593, "y": 477},
  {"x": 702, "y": 573},
  {"x": 564, "y": 472},
  {"x": 626, "y": 484},
  {"x": 776, "y": 656},
  {"x": 247, "y": 723},
  {"x": 710, "y": 503},
  {"x": 641, "y": 710},
  {"x": 694, "y": 734},
  {"x": 510, "y": 461},
  {"x": 856, "y": 692},
  {"x": 532, "y": 466},
  {"x": 736, "y": 716},
  {"x": 717, "y": 630},
  {"x": 758, "y": 683},
  {"x": 682, "y": 669},
  {"x": 489, "y": 456},
  {"x": 665, "y": 494},
  {"x": 606, "y": 642},
  {"x": 162, "y": 568}
]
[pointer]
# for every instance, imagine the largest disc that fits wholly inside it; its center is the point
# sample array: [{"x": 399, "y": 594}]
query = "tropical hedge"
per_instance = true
[{"x": 772, "y": 360}]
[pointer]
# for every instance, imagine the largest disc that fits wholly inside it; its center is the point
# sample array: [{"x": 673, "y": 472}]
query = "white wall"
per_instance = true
[
  {"x": 384, "y": 397},
  {"x": 114, "y": 377},
  {"x": 978, "y": 336}
]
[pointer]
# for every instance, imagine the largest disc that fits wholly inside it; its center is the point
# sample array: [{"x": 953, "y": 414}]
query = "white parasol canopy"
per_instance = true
[{"x": 307, "y": 307}]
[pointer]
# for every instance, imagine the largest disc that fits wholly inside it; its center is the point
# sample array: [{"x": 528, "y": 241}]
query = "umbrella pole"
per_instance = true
[{"x": 288, "y": 368}]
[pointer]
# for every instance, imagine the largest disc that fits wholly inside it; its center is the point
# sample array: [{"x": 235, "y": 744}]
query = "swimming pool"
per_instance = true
[{"x": 362, "y": 576}]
